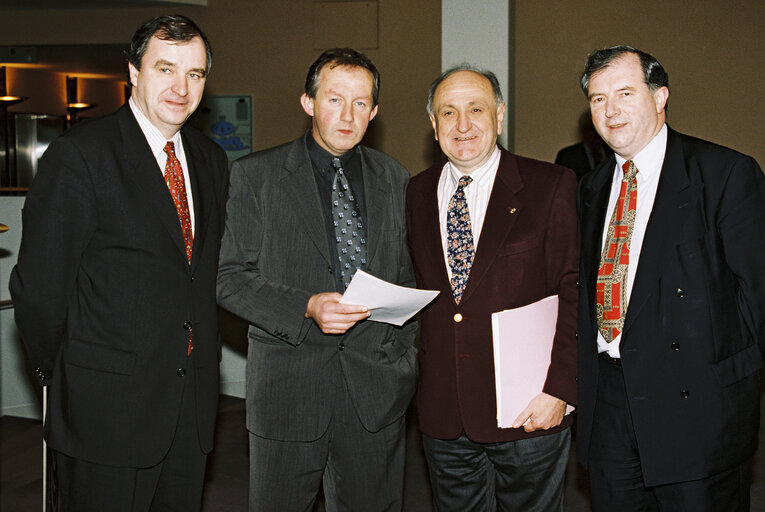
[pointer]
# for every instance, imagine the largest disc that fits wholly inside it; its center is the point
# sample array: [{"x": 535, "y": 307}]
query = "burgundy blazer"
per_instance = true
[{"x": 528, "y": 250}]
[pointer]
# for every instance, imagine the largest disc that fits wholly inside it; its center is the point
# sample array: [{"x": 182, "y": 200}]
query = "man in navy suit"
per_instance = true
[
  {"x": 114, "y": 289},
  {"x": 672, "y": 303}
]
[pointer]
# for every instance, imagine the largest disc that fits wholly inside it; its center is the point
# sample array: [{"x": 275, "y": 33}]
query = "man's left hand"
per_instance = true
[{"x": 543, "y": 412}]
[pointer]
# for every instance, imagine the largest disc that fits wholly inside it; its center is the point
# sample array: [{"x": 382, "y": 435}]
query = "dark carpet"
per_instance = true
[{"x": 226, "y": 481}]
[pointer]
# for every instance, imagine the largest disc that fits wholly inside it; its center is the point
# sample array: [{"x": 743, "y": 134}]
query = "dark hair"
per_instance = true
[
  {"x": 491, "y": 77},
  {"x": 335, "y": 57},
  {"x": 172, "y": 27},
  {"x": 654, "y": 74}
]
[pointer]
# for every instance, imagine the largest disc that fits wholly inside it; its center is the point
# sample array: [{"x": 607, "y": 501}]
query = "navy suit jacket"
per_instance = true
[
  {"x": 104, "y": 297},
  {"x": 693, "y": 339}
]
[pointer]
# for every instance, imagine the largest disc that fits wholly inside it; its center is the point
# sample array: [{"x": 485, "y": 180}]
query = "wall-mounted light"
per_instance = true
[
  {"x": 72, "y": 96},
  {"x": 5, "y": 98},
  {"x": 73, "y": 104}
]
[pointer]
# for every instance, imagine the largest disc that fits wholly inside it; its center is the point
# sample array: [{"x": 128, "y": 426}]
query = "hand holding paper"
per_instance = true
[
  {"x": 388, "y": 302},
  {"x": 523, "y": 339},
  {"x": 543, "y": 412},
  {"x": 331, "y": 316}
]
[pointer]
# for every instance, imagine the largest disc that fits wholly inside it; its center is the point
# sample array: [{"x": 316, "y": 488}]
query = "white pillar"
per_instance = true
[{"x": 480, "y": 32}]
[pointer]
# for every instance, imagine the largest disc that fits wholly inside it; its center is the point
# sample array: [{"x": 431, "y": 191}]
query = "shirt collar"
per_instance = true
[
  {"x": 479, "y": 175},
  {"x": 323, "y": 158},
  {"x": 650, "y": 159},
  {"x": 154, "y": 137}
]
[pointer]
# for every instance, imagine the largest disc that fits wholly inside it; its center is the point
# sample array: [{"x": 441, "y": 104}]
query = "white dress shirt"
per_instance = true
[
  {"x": 477, "y": 194},
  {"x": 157, "y": 143},
  {"x": 648, "y": 163}
]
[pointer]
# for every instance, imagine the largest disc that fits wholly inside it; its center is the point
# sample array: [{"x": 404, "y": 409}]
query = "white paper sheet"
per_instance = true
[
  {"x": 388, "y": 302},
  {"x": 523, "y": 339}
]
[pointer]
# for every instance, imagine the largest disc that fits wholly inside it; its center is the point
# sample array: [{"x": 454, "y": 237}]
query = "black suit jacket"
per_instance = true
[
  {"x": 694, "y": 333},
  {"x": 575, "y": 158},
  {"x": 104, "y": 296}
]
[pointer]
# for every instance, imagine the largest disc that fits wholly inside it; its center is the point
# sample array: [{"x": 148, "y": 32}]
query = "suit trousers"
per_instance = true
[
  {"x": 616, "y": 478},
  {"x": 525, "y": 475},
  {"x": 175, "y": 484},
  {"x": 359, "y": 470}
]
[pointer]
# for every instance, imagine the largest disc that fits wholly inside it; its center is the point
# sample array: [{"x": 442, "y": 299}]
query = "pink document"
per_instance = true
[{"x": 523, "y": 339}]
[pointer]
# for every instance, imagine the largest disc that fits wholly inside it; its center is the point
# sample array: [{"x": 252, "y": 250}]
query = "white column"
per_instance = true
[{"x": 480, "y": 33}]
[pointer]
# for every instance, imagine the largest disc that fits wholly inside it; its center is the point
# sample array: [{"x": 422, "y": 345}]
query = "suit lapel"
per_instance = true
[
  {"x": 300, "y": 183},
  {"x": 499, "y": 221},
  {"x": 665, "y": 226},
  {"x": 378, "y": 205},
  {"x": 143, "y": 170},
  {"x": 593, "y": 203},
  {"x": 201, "y": 191},
  {"x": 429, "y": 236}
]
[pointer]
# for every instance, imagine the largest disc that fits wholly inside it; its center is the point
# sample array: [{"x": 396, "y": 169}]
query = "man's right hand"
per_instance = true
[{"x": 331, "y": 316}]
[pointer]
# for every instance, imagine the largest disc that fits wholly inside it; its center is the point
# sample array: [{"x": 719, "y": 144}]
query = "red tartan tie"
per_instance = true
[
  {"x": 177, "y": 187},
  {"x": 611, "y": 286}
]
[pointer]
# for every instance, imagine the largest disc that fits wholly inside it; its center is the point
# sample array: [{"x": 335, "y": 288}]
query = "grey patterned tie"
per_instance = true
[{"x": 350, "y": 234}]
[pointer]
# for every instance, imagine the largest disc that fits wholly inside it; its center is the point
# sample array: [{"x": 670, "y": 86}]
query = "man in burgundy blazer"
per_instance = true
[{"x": 527, "y": 248}]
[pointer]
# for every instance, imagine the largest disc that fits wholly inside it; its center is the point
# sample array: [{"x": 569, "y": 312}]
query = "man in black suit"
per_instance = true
[
  {"x": 670, "y": 349},
  {"x": 114, "y": 289},
  {"x": 584, "y": 156},
  {"x": 326, "y": 388}
]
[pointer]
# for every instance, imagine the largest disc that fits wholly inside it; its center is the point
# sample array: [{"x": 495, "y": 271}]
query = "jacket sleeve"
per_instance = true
[
  {"x": 562, "y": 269},
  {"x": 242, "y": 289},
  {"x": 58, "y": 218}
]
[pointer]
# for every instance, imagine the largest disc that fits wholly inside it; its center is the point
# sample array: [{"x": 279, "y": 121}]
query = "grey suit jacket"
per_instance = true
[{"x": 274, "y": 256}]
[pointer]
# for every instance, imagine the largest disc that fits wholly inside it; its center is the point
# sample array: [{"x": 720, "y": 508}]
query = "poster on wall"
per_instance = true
[{"x": 227, "y": 120}]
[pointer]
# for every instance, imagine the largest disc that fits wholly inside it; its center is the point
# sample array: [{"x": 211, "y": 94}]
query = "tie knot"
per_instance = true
[
  {"x": 629, "y": 170},
  {"x": 337, "y": 164},
  {"x": 169, "y": 147},
  {"x": 465, "y": 181}
]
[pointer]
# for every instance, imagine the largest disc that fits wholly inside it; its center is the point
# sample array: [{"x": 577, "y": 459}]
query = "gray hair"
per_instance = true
[{"x": 491, "y": 77}]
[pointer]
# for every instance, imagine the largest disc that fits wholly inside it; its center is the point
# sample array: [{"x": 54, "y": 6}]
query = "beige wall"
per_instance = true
[
  {"x": 712, "y": 50},
  {"x": 264, "y": 48}
]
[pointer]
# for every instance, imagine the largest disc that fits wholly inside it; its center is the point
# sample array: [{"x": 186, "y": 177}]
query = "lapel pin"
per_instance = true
[{"x": 512, "y": 210}]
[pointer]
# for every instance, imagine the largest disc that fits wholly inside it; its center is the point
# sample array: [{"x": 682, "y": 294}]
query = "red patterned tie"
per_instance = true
[
  {"x": 611, "y": 287},
  {"x": 177, "y": 186}
]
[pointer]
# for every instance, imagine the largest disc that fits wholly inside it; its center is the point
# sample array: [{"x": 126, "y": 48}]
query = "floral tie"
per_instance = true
[{"x": 459, "y": 239}]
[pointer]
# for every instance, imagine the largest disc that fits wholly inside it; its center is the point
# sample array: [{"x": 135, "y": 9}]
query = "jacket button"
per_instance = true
[
  {"x": 685, "y": 393},
  {"x": 680, "y": 292},
  {"x": 576, "y": 379},
  {"x": 180, "y": 372},
  {"x": 341, "y": 346},
  {"x": 187, "y": 326},
  {"x": 191, "y": 279},
  {"x": 457, "y": 317},
  {"x": 576, "y": 335},
  {"x": 675, "y": 346}
]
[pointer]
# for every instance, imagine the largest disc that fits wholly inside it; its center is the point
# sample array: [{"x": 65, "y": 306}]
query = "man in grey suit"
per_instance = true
[{"x": 326, "y": 388}]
